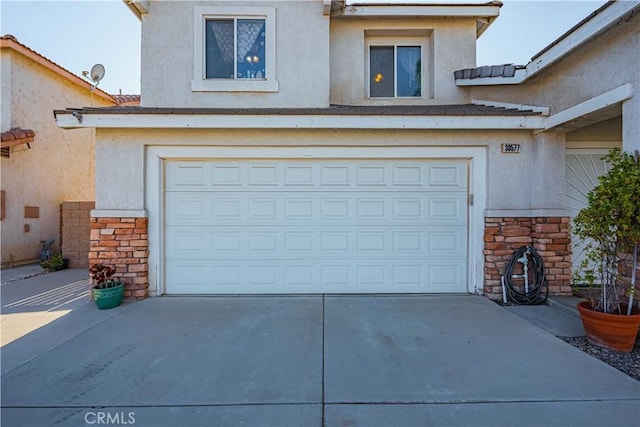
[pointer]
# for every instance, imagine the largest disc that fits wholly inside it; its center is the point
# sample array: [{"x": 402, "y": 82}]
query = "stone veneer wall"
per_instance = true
[
  {"x": 123, "y": 243},
  {"x": 548, "y": 235},
  {"x": 74, "y": 233}
]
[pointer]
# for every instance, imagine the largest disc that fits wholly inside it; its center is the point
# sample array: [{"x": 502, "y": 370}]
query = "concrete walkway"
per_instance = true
[
  {"x": 303, "y": 361},
  {"x": 559, "y": 316}
]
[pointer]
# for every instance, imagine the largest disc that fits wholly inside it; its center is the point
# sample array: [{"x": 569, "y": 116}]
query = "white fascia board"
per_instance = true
[
  {"x": 598, "y": 24},
  {"x": 619, "y": 94},
  {"x": 408, "y": 11},
  {"x": 521, "y": 107},
  {"x": 183, "y": 121}
]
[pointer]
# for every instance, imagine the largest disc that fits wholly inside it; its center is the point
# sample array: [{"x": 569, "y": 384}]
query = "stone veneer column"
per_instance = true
[
  {"x": 548, "y": 235},
  {"x": 123, "y": 243}
]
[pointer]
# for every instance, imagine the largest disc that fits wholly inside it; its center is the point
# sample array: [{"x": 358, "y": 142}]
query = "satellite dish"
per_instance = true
[{"x": 97, "y": 73}]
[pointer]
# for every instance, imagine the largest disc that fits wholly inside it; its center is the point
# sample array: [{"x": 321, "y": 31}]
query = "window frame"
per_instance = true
[
  {"x": 202, "y": 84},
  {"x": 395, "y": 42}
]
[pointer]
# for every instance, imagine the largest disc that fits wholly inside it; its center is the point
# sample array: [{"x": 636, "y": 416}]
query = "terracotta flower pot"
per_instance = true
[{"x": 613, "y": 331}]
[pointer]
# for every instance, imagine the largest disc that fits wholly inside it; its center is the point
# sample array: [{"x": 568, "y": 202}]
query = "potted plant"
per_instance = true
[
  {"x": 611, "y": 225},
  {"x": 107, "y": 292}
]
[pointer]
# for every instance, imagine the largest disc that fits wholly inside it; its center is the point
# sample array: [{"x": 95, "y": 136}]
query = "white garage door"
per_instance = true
[{"x": 330, "y": 226}]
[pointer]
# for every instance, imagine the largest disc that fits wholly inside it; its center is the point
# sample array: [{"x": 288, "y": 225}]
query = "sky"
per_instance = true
[{"x": 78, "y": 34}]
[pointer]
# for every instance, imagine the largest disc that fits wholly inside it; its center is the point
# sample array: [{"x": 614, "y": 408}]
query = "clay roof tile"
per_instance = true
[{"x": 16, "y": 136}]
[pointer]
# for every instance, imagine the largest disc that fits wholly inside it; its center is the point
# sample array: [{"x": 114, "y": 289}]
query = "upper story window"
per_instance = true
[
  {"x": 398, "y": 66},
  {"x": 395, "y": 71},
  {"x": 234, "y": 50}
]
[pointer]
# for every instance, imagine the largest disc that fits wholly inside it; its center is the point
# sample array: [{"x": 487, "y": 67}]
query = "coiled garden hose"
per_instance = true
[{"x": 537, "y": 290}]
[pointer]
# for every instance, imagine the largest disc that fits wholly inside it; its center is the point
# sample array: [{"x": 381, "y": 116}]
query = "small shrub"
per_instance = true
[
  {"x": 611, "y": 224},
  {"x": 54, "y": 263}
]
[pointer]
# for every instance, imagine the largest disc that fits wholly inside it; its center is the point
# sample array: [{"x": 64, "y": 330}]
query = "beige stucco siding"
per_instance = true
[
  {"x": 58, "y": 167},
  {"x": 602, "y": 65},
  {"x": 120, "y": 174},
  {"x": 450, "y": 46},
  {"x": 514, "y": 182},
  {"x": 5, "y": 90},
  {"x": 302, "y": 57},
  {"x": 599, "y": 66}
]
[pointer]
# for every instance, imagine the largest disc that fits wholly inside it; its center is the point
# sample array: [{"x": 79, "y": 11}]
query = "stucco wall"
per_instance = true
[
  {"x": 515, "y": 182},
  {"x": 603, "y": 64},
  {"x": 302, "y": 57},
  {"x": 599, "y": 66},
  {"x": 452, "y": 43},
  {"x": 5, "y": 90},
  {"x": 58, "y": 167}
]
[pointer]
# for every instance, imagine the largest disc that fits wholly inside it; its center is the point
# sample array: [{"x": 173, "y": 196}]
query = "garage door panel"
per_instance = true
[
  {"x": 191, "y": 243},
  {"x": 289, "y": 226},
  {"x": 265, "y": 209},
  {"x": 444, "y": 276},
  {"x": 263, "y": 243},
  {"x": 446, "y": 242},
  {"x": 448, "y": 176},
  {"x": 447, "y": 209},
  {"x": 227, "y": 243},
  {"x": 311, "y": 243},
  {"x": 408, "y": 174},
  {"x": 226, "y": 175},
  {"x": 190, "y": 176},
  {"x": 257, "y": 276},
  {"x": 187, "y": 209},
  {"x": 226, "y": 208},
  {"x": 190, "y": 277},
  {"x": 295, "y": 208}
]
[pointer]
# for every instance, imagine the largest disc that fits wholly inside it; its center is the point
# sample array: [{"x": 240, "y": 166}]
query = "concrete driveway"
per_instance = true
[{"x": 303, "y": 361}]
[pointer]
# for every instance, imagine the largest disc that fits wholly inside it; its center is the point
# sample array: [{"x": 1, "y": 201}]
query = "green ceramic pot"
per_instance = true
[{"x": 107, "y": 298}]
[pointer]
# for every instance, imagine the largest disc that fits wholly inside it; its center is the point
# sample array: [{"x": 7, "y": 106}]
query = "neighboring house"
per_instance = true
[
  {"x": 324, "y": 147},
  {"x": 43, "y": 165}
]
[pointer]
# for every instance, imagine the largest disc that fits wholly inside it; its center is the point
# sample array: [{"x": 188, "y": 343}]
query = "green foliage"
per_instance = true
[
  {"x": 612, "y": 217},
  {"x": 611, "y": 222},
  {"x": 54, "y": 263}
]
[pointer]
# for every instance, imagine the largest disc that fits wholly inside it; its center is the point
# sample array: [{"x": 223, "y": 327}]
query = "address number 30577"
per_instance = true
[{"x": 510, "y": 148}]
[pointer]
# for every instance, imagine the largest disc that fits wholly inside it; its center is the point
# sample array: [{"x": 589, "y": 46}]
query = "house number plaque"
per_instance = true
[{"x": 510, "y": 148}]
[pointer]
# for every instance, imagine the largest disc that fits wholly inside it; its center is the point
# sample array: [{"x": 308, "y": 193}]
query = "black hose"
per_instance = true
[{"x": 538, "y": 286}]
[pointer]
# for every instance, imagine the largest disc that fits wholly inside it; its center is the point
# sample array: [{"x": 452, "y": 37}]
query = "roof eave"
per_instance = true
[
  {"x": 483, "y": 23},
  {"x": 138, "y": 7},
  {"x": 488, "y": 10},
  {"x": 10, "y": 43},
  {"x": 595, "y": 24},
  {"x": 484, "y": 13},
  {"x": 78, "y": 119}
]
